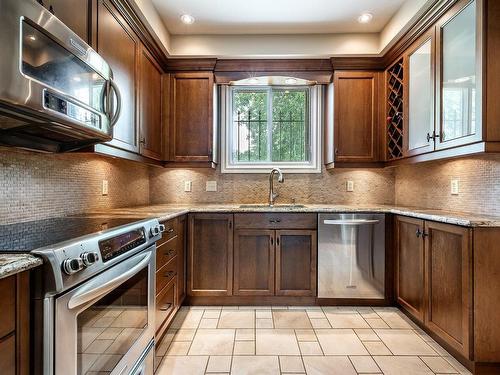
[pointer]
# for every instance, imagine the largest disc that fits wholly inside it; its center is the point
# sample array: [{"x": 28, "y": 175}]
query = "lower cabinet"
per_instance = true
[
  {"x": 210, "y": 256},
  {"x": 296, "y": 262},
  {"x": 14, "y": 325},
  {"x": 434, "y": 278}
]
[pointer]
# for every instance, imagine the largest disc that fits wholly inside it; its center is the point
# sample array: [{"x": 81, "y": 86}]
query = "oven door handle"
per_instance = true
[{"x": 89, "y": 294}]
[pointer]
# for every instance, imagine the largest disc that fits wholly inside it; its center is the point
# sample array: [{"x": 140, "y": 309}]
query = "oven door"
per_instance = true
[{"x": 106, "y": 324}]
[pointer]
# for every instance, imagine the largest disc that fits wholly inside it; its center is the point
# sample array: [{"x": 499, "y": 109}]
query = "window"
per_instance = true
[{"x": 266, "y": 126}]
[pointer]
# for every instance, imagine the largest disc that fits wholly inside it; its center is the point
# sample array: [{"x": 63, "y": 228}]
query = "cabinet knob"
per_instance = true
[
  {"x": 418, "y": 233},
  {"x": 433, "y": 136}
]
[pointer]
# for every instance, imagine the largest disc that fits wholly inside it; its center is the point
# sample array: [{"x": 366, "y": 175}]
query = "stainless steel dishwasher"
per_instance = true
[{"x": 351, "y": 255}]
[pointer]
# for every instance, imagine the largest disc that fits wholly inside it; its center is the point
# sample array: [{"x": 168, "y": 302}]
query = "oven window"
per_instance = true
[
  {"x": 48, "y": 62},
  {"x": 108, "y": 329}
]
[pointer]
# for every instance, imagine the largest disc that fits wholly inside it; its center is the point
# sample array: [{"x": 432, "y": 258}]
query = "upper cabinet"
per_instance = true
[
  {"x": 191, "y": 97},
  {"x": 76, "y": 14},
  {"x": 119, "y": 46},
  {"x": 356, "y": 119},
  {"x": 458, "y": 68}
]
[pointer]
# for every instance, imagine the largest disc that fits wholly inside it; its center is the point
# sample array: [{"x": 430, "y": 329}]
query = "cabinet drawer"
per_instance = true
[
  {"x": 171, "y": 230},
  {"x": 165, "y": 252},
  {"x": 165, "y": 274},
  {"x": 275, "y": 221},
  {"x": 7, "y": 305},
  {"x": 165, "y": 303}
]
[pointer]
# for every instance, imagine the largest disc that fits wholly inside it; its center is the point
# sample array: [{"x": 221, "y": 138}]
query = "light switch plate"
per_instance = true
[
  {"x": 188, "y": 185},
  {"x": 211, "y": 186},
  {"x": 455, "y": 186},
  {"x": 349, "y": 186},
  {"x": 105, "y": 187}
]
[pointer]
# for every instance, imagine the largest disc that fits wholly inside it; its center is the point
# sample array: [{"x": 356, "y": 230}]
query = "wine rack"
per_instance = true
[{"x": 395, "y": 92}]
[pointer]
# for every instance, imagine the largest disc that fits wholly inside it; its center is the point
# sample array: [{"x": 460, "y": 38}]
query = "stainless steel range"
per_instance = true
[{"x": 94, "y": 297}]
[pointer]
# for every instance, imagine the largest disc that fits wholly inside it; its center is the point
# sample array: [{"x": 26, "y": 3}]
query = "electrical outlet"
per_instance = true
[
  {"x": 349, "y": 186},
  {"x": 211, "y": 186},
  {"x": 104, "y": 187},
  {"x": 188, "y": 185},
  {"x": 455, "y": 186}
]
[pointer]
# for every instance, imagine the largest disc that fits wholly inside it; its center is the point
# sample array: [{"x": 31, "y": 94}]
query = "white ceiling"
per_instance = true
[{"x": 275, "y": 16}]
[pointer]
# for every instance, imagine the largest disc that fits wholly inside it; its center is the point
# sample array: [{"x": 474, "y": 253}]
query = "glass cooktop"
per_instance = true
[{"x": 32, "y": 235}]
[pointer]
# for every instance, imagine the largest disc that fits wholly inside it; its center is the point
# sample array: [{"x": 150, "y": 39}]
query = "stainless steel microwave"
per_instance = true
[{"x": 56, "y": 93}]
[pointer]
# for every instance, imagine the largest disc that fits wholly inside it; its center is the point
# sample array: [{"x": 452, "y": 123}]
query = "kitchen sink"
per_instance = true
[{"x": 275, "y": 206}]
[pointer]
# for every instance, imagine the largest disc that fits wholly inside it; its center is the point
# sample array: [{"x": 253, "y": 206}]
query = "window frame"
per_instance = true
[{"x": 315, "y": 117}]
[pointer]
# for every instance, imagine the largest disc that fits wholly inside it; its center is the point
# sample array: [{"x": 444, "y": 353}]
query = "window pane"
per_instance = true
[
  {"x": 290, "y": 130},
  {"x": 250, "y": 135}
]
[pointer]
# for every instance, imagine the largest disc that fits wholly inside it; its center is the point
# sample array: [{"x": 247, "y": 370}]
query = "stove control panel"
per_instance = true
[{"x": 115, "y": 246}]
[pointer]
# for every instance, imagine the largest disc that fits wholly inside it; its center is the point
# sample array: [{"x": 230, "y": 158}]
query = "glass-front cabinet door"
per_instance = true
[
  {"x": 420, "y": 96},
  {"x": 459, "y": 77}
]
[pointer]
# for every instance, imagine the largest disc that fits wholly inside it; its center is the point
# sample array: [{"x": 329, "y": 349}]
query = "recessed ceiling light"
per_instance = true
[
  {"x": 365, "y": 18},
  {"x": 187, "y": 19},
  {"x": 290, "y": 81}
]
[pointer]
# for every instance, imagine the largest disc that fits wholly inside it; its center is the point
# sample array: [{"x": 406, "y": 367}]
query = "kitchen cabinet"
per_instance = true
[
  {"x": 181, "y": 254},
  {"x": 356, "y": 116},
  {"x": 449, "y": 287},
  {"x": 419, "y": 101},
  {"x": 150, "y": 109},
  {"x": 210, "y": 256},
  {"x": 458, "y": 68},
  {"x": 410, "y": 284},
  {"x": 76, "y": 14},
  {"x": 254, "y": 262},
  {"x": 191, "y": 128},
  {"x": 296, "y": 252},
  {"x": 119, "y": 46},
  {"x": 14, "y": 325}
]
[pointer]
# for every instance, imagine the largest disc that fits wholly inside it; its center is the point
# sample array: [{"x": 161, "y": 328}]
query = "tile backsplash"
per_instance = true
[
  {"x": 36, "y": 186},
  {"x": 370, "y": 186},
  {"x": 427, "y": 185}
]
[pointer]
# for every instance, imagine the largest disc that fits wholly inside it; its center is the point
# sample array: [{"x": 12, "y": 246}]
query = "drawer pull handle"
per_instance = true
[
  {"x": 170, "y": 252},
  {"x": 165, "y": 307},
  {"x": 169, "y": 274},
  {"x": 170, "y": 230},
  {"x": 275, "y": 220}
]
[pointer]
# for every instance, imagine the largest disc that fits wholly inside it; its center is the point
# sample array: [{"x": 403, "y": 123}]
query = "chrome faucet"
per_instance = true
[{"x": 272, "y": 194}]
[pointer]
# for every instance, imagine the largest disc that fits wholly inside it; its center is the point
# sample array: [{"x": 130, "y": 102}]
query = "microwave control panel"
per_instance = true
[{"x": 65, "y": 107}]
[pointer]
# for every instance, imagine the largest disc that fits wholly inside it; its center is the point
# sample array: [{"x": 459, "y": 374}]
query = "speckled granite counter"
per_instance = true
[
  {"x": 168, "y": 211},
  {"x": 10, "y": 264}
]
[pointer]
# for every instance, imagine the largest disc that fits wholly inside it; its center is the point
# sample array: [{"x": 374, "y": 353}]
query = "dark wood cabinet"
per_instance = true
[
  {"x": 76, "y": 14},
  {"x": 181, "y": 254},
  {"x": 210, "y": 257},
  {"x": 296, "y": 254},
  {"x": 253, "y": 262},
  {"x": 356, "y": 116},
  {"x": 191, "y": 117},
  {"x": 410, "y": 285},
  {"x": 150, "y": 108},
  {"x": 449, "y": 286},
  {"x": 14, "y": 325},
  {"x": 119, "y": 46}
]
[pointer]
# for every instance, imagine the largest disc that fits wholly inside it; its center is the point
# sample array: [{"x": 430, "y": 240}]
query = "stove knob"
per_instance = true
[
  {"x": 156, "y": 230},
  {"x": 71, "y": 266},
  {"x": 89, "y": 258}
]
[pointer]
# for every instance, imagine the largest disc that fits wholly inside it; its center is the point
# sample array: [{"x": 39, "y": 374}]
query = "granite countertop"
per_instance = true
[
  {"x": 10, "y": 264},
  {"x": 169, "y": 211}
]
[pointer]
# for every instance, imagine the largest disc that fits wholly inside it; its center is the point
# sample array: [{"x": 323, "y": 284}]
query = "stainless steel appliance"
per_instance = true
[
  {"x": 351, "y": 255},
  {"x": 56, "y": 93},
  {"x": 94, "y": 303}
]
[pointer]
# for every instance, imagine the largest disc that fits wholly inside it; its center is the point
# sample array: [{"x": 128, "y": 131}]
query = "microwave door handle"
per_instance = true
[
  {"x": 116, "y": 114},
  {"x": 88, "y": 295}
]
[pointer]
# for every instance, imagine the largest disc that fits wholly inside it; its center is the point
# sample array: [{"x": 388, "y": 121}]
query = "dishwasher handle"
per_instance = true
[{"x": 352, "y": 222}]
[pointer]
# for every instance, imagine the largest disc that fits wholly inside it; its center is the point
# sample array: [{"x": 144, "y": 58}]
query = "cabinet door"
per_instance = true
[
  {"x": 420, "y": 99},
  {"x": 448, "y": 283},
  {"x": 459, "y": 77},
  {"x": 191, "y": 121},
  {"x": 253, "y": 262},
  {"x": 296, "y": 254},
  {"x": 150, "y": 107},
  {"x": 181, "y": 259},
  {"x": 74, "y": 13},
  {"x": 117, "y": 44},
  {"x": 410, "y": 286},
  {"x": 355, "y": 116},
  {"x": 210, "y": 258}
]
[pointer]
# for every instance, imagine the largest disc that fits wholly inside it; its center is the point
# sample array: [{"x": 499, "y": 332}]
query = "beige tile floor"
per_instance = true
[{"x": 311, "y": 340}]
